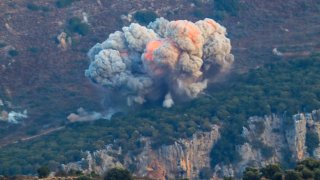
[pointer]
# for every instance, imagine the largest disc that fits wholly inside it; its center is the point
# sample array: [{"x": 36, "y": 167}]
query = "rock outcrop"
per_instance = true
[
  {"x": 99, "y": 161},
  {"x": 273, "y": 139},
  {"x": 184, "y": 158},
  {"x": 265, "y": 141},
  {"x": 64, "y": 41},
  {"x": 297, "y": 136}
]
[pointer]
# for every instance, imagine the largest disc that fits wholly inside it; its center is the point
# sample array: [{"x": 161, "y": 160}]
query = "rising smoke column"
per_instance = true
[{"x": 165, "y": 60}]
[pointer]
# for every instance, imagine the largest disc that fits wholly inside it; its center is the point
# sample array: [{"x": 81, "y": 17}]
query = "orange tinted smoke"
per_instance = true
[
  {"x": 151, "y": 47},
  {"x": 189, "y": 29}
]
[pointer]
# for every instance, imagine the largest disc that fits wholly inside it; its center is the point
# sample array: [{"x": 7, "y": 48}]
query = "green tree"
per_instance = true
[
  {"x": 270, "y": 171},
  {"x": 317, "y": 174},
  {"x": 312, "y": 141},
  {"x": 251, "y": 174},
  {"x": 307, "y": 173},
  {"x": 63, "y": 3},
  {"x": 145, "y": 17},
  {"x": 13, "y": 52},
  {"x": 292, "y": 175},
  {"x": 277, "y": 176},
  {"x": 83, "y": 177},
  {"x": 229, "y": 6},
  {"x": 228, "y": 178},
  {"x": 75, "y": 25},
  {"x": 309, "y": 163},
  {"x": 43, "y": 172},
  {"x": 117, "y": 174}
]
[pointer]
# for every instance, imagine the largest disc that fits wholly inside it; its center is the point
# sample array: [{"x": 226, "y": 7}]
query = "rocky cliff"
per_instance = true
[
  {"x": 274, "y": 139},
  {"x": 269, "y": 139},
  {"x": 184, "y": 158}
]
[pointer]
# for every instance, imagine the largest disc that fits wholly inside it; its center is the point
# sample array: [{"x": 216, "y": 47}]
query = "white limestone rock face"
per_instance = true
[{"x": 184, "y": 158}]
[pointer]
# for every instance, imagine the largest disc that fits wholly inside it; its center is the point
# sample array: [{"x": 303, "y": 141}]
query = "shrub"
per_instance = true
[
  {"x": 145, "y": 17},
  {"x": 118, "y": 173},
  {"x": 270, "y": 171},
  {"x": 307, "y": 173},
  {"x": 312, "y": 141},
  {"x": 64, "y": 3},
  {"x": 292, "y": 175},
  {"x": 2, "y": 44},
  {"x": 317, "y": 174},
  {"x": 76, "y": 26},
  {"x": 306, "y": 169},
  {"x": 277, "y": 176},
  {"x": 228, "y": 178},
  {"x": 43, "y": 172},
  {"x": 229, "y": 6},
  {"x": 32, "y": 7},
  {"x": 251, "y": 174},
  {"x": 73, "y": 172},
  {"x": 13, "y": 53},
  {"x": 83, "y": 177}
]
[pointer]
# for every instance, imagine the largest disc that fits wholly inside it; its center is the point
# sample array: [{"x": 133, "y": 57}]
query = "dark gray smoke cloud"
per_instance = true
[{"x": 166, "y": 59}]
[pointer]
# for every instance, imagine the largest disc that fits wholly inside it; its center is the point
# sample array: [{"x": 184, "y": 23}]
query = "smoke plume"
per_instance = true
[
  {"x": 83, "y": 116},
  {"x": 12, "y": 116},
  {"x": 167, "y": 60}
]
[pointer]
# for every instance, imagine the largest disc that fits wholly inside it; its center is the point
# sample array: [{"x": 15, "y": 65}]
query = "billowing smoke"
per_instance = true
[
  {"x": 12, "y": 116},
  {"x": 83, "y": 116},
  {"x": 166, "y": 60}
]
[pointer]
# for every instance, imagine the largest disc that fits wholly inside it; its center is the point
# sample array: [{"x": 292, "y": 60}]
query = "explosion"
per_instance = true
[{"x": 166, "y": 60}]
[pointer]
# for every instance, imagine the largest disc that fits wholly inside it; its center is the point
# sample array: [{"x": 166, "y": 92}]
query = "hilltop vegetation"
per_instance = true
[
  {"x": 306, "y": 169},
  {"x": 287, "y": 86}
]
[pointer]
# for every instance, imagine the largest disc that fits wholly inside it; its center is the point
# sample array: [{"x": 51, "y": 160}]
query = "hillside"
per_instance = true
[
  {"x": 294, "y": 88},
  {"x": 41, "y": 72}
]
